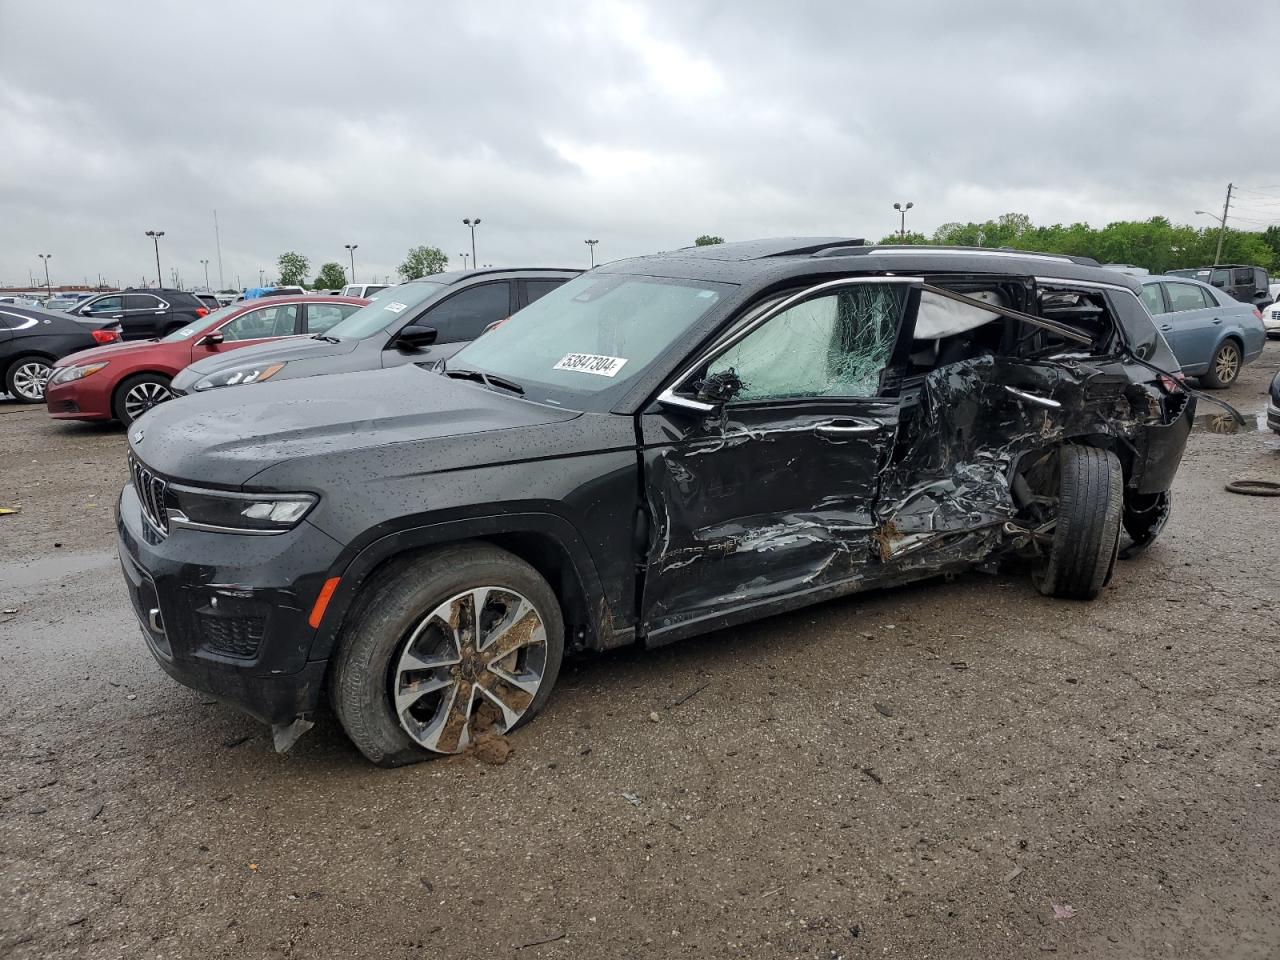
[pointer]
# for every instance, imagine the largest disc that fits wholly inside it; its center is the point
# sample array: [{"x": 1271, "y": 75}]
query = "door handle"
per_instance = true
[
  {"x": 1033, "y": 398},
  {"x": 1166, "y": 326},
  {"x": 845, "y": 428},
  {"x": 1217, "y": 321}
]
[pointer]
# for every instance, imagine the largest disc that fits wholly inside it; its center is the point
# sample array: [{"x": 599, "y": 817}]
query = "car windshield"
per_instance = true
[
  {"x": 194, "y": 328},
  {"x": 591, "y": 334},
  {"x": 387, "y": 306}
]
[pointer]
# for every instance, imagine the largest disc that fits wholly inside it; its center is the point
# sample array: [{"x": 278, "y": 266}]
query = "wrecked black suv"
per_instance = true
[{"x": 659, "y": 448}]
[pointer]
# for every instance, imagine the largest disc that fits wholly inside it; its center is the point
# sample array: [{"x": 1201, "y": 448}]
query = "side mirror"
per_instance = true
[
  {"x": 210, "y": 339},
  {"x": 720, "y": 387},
  {"x": 414, "y": 337}
]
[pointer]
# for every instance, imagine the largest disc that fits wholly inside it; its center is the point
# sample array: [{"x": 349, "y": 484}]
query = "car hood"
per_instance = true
[
  {"x": 293, "y": 348},
  {"x": 226, "y": 437},
  {"x": 112, "y": 351}
]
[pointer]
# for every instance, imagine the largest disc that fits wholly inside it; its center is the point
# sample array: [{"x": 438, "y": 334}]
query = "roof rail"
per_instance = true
[{"x": 917, "y": 248}]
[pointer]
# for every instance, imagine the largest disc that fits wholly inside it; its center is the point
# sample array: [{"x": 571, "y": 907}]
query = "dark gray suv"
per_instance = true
[{"x": 422, "y": 321}]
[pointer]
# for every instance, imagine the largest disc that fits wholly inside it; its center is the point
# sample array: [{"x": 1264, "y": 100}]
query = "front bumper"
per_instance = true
[
  {"x": 227, "y": 614},
  {"x": 78, "y": 401}
]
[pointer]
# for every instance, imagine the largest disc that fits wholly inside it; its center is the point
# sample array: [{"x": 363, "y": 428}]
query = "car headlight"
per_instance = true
[
  {"x": 75, "y": 372},
  {"x": 254, "y": 373},
  {"x": 236, "y": 512}
]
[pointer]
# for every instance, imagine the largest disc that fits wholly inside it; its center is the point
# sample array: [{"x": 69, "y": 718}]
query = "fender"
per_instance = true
[{"x": 357, "y": 562}]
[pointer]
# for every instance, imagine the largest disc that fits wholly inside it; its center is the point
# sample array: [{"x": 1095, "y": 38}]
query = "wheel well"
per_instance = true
[
  {"x": 115, "y": 393},
  {"x": 542, "y": 552},
  {"x": 26, "y": 354},
  {"x": 1238, "y": 340}
]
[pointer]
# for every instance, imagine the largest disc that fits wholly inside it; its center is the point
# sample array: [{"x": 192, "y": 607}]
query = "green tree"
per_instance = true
[
  {"x": 707, "y": 240},
  {"x": 423, "y": 261},
  {"x": 294, "y": 268},
  {"x": 330, "y": 277},
  {"x": 911, "y": 237}
]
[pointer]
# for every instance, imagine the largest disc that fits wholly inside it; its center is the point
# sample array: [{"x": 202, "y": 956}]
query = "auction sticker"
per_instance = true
[
  {"x": 396, "y": 306},
  {"x": 591, "y": 363}
]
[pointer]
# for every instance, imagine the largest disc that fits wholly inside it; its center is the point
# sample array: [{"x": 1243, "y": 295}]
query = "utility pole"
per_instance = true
[
  {"x": 217, "y": 238},
  {"x": 155, "y": 235},
  {"x": 1222, "y": 229},
  {"x": 591, "y": 245}
]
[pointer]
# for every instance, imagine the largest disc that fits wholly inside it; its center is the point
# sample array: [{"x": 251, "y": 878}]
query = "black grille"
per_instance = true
[
  {"x": 151, "y": 493},
  {"x": 231, "y": 636}
]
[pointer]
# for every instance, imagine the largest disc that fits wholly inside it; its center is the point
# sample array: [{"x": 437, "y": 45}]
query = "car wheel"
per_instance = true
[
  {"x": 444, "y": 649},
  {"x": 1224, "y": 368},
  {"x": 1086, "y": 534},
  {"x": 139, "y": 394},
  {"x": 26, "y": 378}
]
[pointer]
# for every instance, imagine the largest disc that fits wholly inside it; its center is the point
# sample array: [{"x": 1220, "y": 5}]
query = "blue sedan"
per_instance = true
[{"x": 1212, "y": 334}]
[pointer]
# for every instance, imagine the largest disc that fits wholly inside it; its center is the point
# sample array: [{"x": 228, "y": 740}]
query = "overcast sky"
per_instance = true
[{"x": 309, "y": 125}]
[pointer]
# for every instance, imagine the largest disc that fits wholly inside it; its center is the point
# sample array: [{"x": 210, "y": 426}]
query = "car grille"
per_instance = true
[
  {"x": 231, "y": 636},
  {"x": 151, "y": 490}
]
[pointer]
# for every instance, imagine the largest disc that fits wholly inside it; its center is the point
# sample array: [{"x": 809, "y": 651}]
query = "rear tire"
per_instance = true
[
  {"x": 25, "y": 379},
  {"x": 1086, "y": 537},
  {"x": 136, "y": 395},
  {"x": 1224, "y": 368},
  {"x": 372, "y": 690}
]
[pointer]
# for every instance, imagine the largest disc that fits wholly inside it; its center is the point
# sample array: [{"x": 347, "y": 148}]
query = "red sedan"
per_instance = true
[{"x": 123, "y": 381}]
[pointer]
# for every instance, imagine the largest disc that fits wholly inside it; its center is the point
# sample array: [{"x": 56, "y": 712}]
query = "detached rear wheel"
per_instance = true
[
  {"x": 445, "y": 648},
  {"x": 1086, "y": 535}
]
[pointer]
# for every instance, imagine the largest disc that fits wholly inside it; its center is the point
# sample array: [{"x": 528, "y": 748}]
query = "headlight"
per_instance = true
[
  {"x": 73, "y": 372},
  {"x": 237, "y": 512},
  {"x": 254, "y": 373}
]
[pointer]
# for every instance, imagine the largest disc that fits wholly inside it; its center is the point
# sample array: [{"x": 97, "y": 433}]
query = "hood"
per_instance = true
[
  {"x": 112, "y": 351},
  {"x": 293, "y": 348},
  {"x": 225, "y": 437}
]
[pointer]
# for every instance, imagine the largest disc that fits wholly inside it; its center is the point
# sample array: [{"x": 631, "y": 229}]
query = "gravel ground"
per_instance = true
[{"x": 957, "y": 769}]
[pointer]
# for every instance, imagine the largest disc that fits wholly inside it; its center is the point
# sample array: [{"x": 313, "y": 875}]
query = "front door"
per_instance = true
[{"x": 770, "y": 494}]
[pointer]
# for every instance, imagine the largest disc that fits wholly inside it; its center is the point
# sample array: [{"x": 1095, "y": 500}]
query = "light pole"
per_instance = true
[
  {"x": 48, "y": 287},
  {"x": 902, "y": 230},
  {"x": 206, "y": 273},
  {"x": 351, "y": 250},
  {"x": 261, "y": 280},
  {"x": 473, "y": 223},
  {"x": 155, "y": 235},
  {"x": 464, "y": 259},
  {"x": 591, "y": 245}
]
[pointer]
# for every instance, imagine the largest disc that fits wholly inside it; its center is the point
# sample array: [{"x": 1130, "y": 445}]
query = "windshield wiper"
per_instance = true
[
  {"x": 489, "y": 379},
  {"x": 325, "y": 337}
]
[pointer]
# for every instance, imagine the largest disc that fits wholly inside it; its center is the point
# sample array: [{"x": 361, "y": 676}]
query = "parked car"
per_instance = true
[
  {"x": 363, "y": 289},
  {"x": 1240, "y": 281},
  {"x": 659, "y": 448},
  {"x": 209, "y": 299},
  {"x": 144, "y": 314},
  {"x": 1212, "y": 334},
  {"x": 422, "y": 321},
  {"x": 1271, "y": 319},
  {"x": 123, "y": 381},
  {"x": 63, "y": 302},
  {"x": 32, "y": 340}
]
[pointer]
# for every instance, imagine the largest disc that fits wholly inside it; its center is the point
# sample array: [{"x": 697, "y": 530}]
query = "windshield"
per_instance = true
[
  {"x": 388, "y": 306},
  {"x": 591, "y": 334},
  {"x": 202, "y": 324}
]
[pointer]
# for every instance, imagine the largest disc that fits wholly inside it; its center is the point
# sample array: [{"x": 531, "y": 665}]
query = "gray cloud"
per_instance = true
[{"x": 311, "y": 125}]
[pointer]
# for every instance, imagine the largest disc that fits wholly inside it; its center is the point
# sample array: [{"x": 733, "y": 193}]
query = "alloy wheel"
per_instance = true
[
  {"x": 1226, "y": 365},
  {"x": 30, "y": 378},
  {"x": 143, "y": 396},
  {"x": 472, "y": 666}
]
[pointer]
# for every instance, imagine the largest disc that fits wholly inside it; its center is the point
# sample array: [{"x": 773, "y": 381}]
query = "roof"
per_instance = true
[
  {"x": 762, "y": 262},
  {"x": 455, "y": 276}
]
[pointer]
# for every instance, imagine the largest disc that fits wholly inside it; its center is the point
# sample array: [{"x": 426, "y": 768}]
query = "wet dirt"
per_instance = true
[{"x": 921, "y": 772}]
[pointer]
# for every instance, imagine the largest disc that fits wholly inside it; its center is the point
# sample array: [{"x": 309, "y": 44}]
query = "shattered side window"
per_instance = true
[{"x": 830, "y": 346}]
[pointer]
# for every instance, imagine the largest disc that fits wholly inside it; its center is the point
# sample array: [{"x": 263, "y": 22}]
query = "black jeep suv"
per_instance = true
[
  {"x": 143, "y": 314},
  {"x": 659, "y": 448}
]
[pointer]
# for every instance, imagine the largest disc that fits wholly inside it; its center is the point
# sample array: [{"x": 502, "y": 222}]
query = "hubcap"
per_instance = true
[
  {"x": 1227, "y": 364},
  {"x": 143, "y": 396},
  {"x": 473, "y": 665},
  {"x": 30, "y": 378}
]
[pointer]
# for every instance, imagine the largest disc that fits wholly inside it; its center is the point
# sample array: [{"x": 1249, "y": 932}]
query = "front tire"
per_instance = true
[
  {"x": 25, "y": 379},
  {"x": 139, "y": 394},
  {"x": 1224, "y": 368},
  {"x": 444, "y": 648},
  {"x": 1086, "y": 536}
]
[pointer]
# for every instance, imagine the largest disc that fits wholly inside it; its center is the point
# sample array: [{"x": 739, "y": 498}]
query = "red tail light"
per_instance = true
[
  {"x": 1257, "y": 313},
  {"x": 105, "y": 336},
  {"x": 202, "y": 311}
]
